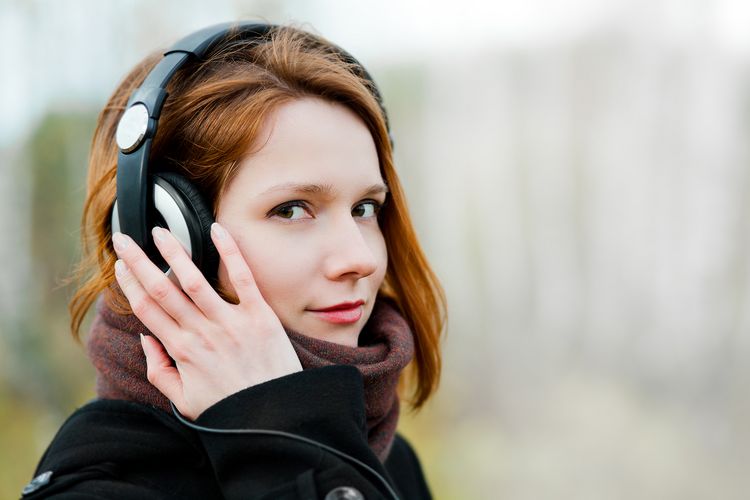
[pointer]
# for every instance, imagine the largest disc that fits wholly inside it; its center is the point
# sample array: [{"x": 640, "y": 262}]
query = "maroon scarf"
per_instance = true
[{"x": 386, "y": 345}]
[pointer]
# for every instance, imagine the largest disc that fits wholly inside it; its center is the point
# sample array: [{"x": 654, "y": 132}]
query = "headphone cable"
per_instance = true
[{"x": 287, "y": 435}]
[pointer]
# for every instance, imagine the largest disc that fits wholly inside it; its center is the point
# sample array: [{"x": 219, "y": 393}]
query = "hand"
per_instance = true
[{"x": 218, "y": 348}]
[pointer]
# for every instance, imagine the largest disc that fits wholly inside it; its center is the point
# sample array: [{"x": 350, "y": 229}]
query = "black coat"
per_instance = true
[{"x": 117, "y": 449}]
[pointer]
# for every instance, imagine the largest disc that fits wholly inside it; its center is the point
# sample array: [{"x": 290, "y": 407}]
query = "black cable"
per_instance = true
[{"x": 288, "y": 435}]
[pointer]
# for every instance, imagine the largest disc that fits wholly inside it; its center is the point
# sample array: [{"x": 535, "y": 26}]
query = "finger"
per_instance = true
[
  {"x": 237, "y": 268},
  {"x": 159, "y": 370},
  {"x": 191, "y": 279},
  {"x": 156, "y": 284},
  {"x": 143, "y": 306}
]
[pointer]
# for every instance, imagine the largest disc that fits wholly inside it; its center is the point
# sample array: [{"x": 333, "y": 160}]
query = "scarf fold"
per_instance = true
[{"x": 386, "y": 346}]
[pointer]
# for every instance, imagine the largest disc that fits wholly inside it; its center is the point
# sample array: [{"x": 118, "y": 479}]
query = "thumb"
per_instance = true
[{"x": 160, "y": 372}]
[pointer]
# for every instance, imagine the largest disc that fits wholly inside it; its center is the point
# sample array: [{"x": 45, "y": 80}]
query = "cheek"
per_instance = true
[{"x": 279, "y": 271}]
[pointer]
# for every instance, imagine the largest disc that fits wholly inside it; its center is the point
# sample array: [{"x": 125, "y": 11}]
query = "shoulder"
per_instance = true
[
  {"x": 121, "y": 447},
  {"x": 106, "y": 421},
  {"x": 404, "y": 467}
]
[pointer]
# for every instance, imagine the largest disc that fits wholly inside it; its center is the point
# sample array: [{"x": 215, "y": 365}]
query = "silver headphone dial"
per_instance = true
[{"x": 132, "y": 128}]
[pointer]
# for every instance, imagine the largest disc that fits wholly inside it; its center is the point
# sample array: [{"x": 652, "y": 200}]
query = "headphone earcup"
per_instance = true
[{"x": 181, "y": 208}]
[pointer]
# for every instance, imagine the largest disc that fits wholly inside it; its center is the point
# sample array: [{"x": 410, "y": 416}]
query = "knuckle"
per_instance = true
[
  {"x": 152, "y": 376},
  {"x": 231, "y": 250},
  {"x": 125, "y": 281},
  {"x": 136, "y": 259},
  {"x": 244, "y": 279},
  {"x": 193, "y": 284},
  {"x": 207, "y": 344},
  {"x": 169, "y": 253},
  {"x": 249, "y": 305},
  {"x": 140, "y": 307},
  {"x": 160, "y": 290},
  {"x": 181, "y": 354}
]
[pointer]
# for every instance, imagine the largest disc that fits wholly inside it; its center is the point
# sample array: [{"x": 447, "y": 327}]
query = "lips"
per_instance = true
[
  {"x": 344, "y": 313},
  {"x": 341, "y": 307}
]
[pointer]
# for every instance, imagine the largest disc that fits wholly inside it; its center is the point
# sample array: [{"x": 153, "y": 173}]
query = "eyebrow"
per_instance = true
[{"x": 326, "y": 190}]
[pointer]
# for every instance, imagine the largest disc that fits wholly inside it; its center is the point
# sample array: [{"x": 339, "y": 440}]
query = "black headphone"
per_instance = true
[{"x": 146, "y": 199}]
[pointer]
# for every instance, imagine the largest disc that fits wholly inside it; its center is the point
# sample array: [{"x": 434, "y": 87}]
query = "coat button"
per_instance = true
[
  {"x": 344, "y": 493},
  {"x": 41, "y": 480}
]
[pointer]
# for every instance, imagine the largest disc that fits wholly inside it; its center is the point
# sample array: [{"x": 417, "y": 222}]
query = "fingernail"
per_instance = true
[
  {"x": 120, "y": 268},
  {"x": 218, "y": 231},
  {"x": 120, "y": 241},
  {"x": 159, "y": 234}
]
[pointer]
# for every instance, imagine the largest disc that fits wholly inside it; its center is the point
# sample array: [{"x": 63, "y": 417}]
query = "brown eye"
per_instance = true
[
  {"x": 290, "y": 211},
  {"x": 367, "y": 209}
]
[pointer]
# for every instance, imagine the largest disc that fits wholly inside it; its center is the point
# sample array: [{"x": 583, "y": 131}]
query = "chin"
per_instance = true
[{"x": 342, "y": 338}]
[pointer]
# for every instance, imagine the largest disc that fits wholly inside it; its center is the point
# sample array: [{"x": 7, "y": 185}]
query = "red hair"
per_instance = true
[{"x": 209, "y": 122}]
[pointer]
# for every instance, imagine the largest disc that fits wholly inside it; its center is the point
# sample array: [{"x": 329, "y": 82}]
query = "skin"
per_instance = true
[
  {"x": 327, "y": 252},
  {"x": 282, "y": 261}
]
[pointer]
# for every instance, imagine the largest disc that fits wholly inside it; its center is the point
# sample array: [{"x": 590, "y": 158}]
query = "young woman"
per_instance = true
[{"x": 262, "y": 355}]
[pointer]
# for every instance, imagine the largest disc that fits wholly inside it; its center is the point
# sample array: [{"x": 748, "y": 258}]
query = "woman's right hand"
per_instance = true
[{"x": 218, "y": 348}]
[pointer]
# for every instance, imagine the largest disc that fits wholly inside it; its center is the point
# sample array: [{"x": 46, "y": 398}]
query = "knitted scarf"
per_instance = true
[{"x": 386, "y": 345}]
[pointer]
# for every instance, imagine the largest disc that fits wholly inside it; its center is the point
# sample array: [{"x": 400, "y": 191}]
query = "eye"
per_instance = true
[
  {"x": 369, "y": 208},
  {"x": 293, "y": 210}
]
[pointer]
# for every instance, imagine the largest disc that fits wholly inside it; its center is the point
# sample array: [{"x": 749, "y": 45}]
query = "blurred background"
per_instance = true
[{"x": 578, "y": 172}]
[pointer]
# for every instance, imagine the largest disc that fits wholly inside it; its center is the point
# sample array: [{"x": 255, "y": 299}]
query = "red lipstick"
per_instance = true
[{"x": 346, "y": 312}]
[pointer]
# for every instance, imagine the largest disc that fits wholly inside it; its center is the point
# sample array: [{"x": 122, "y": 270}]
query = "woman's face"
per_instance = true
[{"x": 303, "y": 210}]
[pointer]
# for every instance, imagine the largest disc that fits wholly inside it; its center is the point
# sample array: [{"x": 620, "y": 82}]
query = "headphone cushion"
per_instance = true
[{"x": 201, "y": 214}]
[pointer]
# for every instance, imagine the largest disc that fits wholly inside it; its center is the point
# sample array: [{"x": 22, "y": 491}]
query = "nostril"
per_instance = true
[{"x": 352, "y": 252}]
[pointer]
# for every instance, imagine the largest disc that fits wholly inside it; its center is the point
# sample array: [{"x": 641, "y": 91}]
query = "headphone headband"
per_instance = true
[{"x": 138, "y": 124}]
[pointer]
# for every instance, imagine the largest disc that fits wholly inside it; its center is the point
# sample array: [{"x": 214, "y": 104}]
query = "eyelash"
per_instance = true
[{"x": 299, "y": 203}]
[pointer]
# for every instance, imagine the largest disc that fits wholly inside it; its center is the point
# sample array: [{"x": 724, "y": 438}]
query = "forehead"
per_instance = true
[{"x": 310, "y": 141}]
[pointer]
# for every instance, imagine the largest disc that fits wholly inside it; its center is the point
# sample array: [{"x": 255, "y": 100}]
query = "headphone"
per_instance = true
[{"x": 146, "y": 198}]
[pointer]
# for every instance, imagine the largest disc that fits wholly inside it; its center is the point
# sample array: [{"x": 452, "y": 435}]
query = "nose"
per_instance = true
[{"x": 349, "y": 254}]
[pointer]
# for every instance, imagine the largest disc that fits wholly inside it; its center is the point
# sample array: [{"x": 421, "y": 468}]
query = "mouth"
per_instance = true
[
  {"x": 341, "y": 307},
  {"x": 344, "y": 313}
]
